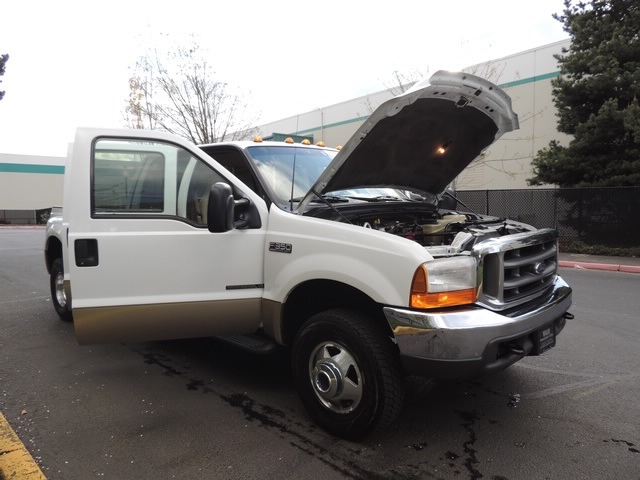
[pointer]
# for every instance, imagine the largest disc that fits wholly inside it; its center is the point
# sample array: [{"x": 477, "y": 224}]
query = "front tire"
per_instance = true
[
  {"x": 59, "y": 298},
  {"x": 347, "y": 373}
]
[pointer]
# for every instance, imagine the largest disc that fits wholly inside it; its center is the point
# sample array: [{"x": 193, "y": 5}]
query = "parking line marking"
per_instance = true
[
  {"x": 15, "y": 460},
  {"x": 592, "y": 390}
]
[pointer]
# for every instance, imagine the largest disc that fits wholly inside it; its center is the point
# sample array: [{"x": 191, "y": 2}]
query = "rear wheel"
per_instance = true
[
  {"x": 347, "y": 373},
  {"x": 59, "y": 298}
]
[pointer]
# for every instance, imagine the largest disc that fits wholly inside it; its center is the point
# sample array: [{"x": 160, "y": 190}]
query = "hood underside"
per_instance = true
[
  {"x": 424, "y": 147},
  {"x": 422, "y": 139}
]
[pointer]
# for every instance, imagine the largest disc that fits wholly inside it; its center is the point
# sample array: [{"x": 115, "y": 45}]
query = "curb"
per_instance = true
[
  {"x": 21, "y": 227},
  {"x": 15, "y": 460},
  {"x": 612, "y": 267}
]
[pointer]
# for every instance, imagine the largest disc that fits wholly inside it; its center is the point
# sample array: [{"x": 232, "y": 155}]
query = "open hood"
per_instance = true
[{"x": 421, "y": 139}]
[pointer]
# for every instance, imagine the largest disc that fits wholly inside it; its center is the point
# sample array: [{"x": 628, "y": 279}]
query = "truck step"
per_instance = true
[{"x": 253, "y": 343}]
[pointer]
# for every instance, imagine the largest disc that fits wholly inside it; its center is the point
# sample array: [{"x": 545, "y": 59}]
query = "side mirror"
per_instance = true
[{"x": 221, "y": 209}]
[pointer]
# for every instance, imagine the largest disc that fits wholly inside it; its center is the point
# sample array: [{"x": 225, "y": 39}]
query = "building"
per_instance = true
[
  {"x": 30, "y": 184},
  {"x": 526, "y": 77}
]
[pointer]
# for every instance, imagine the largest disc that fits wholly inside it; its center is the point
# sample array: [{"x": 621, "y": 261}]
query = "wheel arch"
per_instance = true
[
  {"x": 52, "y": 250},
  {"x": 315, "y": 296}
]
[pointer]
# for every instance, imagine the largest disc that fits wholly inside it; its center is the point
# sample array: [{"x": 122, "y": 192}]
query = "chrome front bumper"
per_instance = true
[{"x": 474, "y": 340}]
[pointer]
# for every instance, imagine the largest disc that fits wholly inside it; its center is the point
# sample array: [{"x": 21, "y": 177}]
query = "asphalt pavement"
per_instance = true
[{"x": 581, "y": 390}]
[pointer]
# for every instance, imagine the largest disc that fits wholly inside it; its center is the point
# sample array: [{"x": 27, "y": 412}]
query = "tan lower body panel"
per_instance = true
[
  {"x": 272, "y": 320},
  {"x": 166, "y": 321}
]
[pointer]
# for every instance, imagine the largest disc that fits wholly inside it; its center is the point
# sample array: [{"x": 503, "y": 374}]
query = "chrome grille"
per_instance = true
[{"x": 517, "y": 268}]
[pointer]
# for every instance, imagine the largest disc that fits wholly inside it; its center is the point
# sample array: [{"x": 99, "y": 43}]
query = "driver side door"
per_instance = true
[{"x": 143, "y": 265}]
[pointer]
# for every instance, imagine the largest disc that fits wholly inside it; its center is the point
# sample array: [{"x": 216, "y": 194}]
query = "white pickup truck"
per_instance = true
[{"x": 347, "y": 256}]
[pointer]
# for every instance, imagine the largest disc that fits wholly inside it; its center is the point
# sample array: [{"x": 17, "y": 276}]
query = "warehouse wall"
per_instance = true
[
  {"x": 30, "y": 182},
  {"x": 526, "y": 78}
]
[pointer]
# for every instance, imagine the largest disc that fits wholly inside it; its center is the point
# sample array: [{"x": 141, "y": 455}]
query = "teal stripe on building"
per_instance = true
[
  {"x": 524, "y": 81},
  {"x": 29, "y": 168}
]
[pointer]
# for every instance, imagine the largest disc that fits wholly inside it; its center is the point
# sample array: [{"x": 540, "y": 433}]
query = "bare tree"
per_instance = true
[
  {"x": 177, "y": 91},
  {"x": 489, "y": 71},
  {"x": 140, "y": 110},
  {"x": 401, "y": 82}
]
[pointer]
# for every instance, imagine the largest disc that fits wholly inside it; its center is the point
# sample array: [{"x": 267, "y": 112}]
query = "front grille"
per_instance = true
[{"x": 517, "y": 268}]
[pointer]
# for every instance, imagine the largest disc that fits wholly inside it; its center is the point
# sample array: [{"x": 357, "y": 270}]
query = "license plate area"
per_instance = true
[{"x": 544, "y": 339}]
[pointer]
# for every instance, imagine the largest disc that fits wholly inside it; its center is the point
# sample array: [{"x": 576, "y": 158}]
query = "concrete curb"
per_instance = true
[
  {"x": 15, "y": 460},
  {"x": 612, "y": 267},
  {"x": 22, "y": 227}
]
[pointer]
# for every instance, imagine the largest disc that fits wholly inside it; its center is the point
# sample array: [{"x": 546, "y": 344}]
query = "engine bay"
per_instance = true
[
  {"x": 448, "y": 229},
  {"x": 443, "y": 232}
]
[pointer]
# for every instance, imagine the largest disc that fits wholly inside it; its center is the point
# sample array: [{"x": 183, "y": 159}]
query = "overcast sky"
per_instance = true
[{"x": 70, "y": 60}]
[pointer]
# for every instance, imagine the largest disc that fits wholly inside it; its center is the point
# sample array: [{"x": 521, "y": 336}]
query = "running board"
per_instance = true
[{"x": 252, "y": 343}]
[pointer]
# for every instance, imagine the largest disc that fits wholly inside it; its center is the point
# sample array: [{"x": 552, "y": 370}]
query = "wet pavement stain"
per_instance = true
[
  {"x": 195, "y": 385},
  {"x": 161, "y": 360},
  {"x": 346, "y": 459},
  {"x": 276, "y": 420},
  {"x": 451, "y": 456},
  {"x": 514, "y": 400},
  {"x": 471, "y": 461},
  {"x": 630, "y": 445},
  {"x": 418, "y": 446}
]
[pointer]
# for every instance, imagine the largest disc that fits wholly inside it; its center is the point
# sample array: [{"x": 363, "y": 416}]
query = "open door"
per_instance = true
[{"x": 143, "y": 265}]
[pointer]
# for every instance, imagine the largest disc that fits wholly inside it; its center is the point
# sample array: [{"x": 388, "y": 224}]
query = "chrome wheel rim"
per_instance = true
[
  {"x": 61, "y": 296},
  {"x": 336, "y": 377}
]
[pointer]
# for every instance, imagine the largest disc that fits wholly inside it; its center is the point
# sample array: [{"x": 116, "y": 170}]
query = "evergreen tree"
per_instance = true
[
  {"x": 3, "y": 62},
  {"x": 597, "y": 97}
]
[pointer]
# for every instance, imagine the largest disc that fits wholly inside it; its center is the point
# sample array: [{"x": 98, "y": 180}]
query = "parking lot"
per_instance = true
[{"x": 202, "y": 409}]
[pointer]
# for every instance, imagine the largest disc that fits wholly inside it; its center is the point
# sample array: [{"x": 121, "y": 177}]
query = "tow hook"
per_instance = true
[
  {"x": 516, "y": 349},
  {"x": 568, "y": 316}
]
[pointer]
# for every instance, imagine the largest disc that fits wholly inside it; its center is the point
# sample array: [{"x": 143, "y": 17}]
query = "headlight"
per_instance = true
[{"x": 445, "y": 282}]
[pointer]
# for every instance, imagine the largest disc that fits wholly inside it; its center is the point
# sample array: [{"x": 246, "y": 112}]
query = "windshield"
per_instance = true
[
  {"x": 371, "y": 193},
  {"x": 277, "y": 164},
  {"x": 290, "y": 172}
]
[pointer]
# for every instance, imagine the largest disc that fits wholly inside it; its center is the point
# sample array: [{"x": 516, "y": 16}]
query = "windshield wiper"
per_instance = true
[
  {"x": 379, "y": 198},
  {"x": 327, "y": 200},
  {"x": 323, "y": 199}
]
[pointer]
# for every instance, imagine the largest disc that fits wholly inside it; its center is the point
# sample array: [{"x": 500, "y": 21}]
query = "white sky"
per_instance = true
[{"x": 69, "y": 60}]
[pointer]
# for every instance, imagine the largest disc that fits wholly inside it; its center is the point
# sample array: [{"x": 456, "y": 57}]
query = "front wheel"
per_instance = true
[
  {"x": 347, "y": 373},
  {"x": 58, "y": 294}
]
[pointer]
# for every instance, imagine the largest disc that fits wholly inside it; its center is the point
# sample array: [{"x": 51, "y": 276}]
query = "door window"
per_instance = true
[{"x": 146, "y": 178}]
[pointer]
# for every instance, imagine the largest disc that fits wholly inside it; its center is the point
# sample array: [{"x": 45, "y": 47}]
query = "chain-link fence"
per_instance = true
[{"x": 597, "y": 216}]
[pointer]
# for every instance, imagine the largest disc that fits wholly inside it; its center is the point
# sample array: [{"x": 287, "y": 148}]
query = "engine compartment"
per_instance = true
[
  {"x": 443, "y": 232},
  {"x": 451, "y": 228},
  {"x": 426, "y": 230}
]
